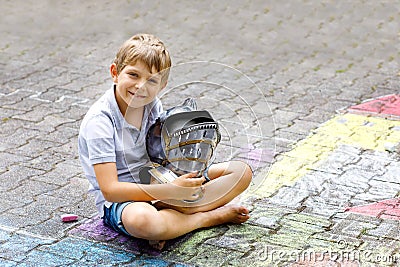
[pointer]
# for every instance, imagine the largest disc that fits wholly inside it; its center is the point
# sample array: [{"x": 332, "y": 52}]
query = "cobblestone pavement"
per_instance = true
[{"x": 273, "y": 73}]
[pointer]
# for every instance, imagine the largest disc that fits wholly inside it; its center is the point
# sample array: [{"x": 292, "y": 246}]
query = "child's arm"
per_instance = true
[{"x": 184, "y": 187}]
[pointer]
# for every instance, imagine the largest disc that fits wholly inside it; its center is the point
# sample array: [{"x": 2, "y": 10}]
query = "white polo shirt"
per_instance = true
[{"x": 105, "y": 136}]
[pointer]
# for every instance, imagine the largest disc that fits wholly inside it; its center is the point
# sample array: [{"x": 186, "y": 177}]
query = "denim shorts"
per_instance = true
[{"x": 113, "y": 217}]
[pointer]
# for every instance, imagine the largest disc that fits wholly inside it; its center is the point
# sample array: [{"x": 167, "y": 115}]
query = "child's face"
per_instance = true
[{"x": 136, "y": 86}]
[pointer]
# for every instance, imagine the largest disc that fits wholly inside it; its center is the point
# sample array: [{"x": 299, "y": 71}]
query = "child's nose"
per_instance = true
[{"x": 140, "y": 83}]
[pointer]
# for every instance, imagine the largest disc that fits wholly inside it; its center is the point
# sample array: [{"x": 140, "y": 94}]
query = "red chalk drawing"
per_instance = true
[
  {"x": 386, "y": 105},
  {"x": 386, "y": 209},
  {"x": 383, "y": 106}
]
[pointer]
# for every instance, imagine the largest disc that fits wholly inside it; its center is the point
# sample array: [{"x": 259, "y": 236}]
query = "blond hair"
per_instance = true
[{"x": 146, "y": 48}]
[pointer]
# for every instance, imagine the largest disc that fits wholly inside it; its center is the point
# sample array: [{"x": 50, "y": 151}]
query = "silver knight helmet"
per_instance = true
[{"x": 183, "y": 139}]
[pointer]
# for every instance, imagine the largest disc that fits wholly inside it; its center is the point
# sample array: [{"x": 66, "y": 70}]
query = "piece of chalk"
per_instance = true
[{"x": 69, "y": 217}]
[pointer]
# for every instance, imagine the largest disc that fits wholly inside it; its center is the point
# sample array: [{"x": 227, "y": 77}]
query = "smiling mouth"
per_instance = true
[{"x": 135, "y": 95}]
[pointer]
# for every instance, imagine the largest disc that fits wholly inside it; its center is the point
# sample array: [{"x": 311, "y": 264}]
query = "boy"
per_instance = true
[{"x": 112, "y": 151}]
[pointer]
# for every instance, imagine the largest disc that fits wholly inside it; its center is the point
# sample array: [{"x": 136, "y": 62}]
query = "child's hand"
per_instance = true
[
  {"x": 188, "y": 180},
  {"x": 188, "y": 187}
]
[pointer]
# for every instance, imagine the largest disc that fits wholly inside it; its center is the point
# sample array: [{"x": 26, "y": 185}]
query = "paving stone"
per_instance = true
[
  {"x": 76, "y": 111},
  {"x": 207, "y": 256},
  {"x": 284, "y": 118},
  {"x": 355, "y": 179},
  {"x": 288, "y": 238},
  {"x": 45, "y": 259},
  {"x": 312, "y": 219},
  {"x": 319, "y": 206},
  {"x": 17, "y": 246},
  {"x": 9, "y": 126},
  {"x": 69, "y": 149},
  {"x": 301, "y": 127},
  {"x": 42, "y": 207},
  {"x": 20, "y": 137},
  {"x": 54, "y": 94},
  {"x": 34, "y": 147},
  {"x": 356, "y": 217},
  {"x": 374, "y": 196},
  {"x": 344, "y": 155},
  {"x": 375, "y": 163},
  {"x": 8, "y": 263},
  {"x": 386, "y": 229},
  {"x": 29, "y": 106},
  {"x": 11, "y": 159},
  {"x": 194, "y": 245},
  {"x": 268, "y": 215},
  {"x": 59, "y": 136},
  {"x": 314, "y": 182},
  {"x": 50, "y": 227},
  {"x": 353, "y": 229},
  {"x": 316, "y": 245},
  {"x": 46, "y": 161},
  {"x": 99, "y": 254},
  {"x": 382, "y": 186},
  {"x": 15, "y": 97},
  {"x": 15, "y": 175},
  {"x": 60, "y": 174},
  {"x": 239, "y": 238},
  {"x": 50, "y": 123},
  {"x": 83, "y": 208},
  {"x": 75, "y": 189},
  {"x": 391, "y": 173},
  {"x": 4, "y": 236},
  {"x": 288, "y": 137},
  {"x": 333, "y": 195},
  {"x": 289, "y": 197},
  {"x": 7, "y": 113}
]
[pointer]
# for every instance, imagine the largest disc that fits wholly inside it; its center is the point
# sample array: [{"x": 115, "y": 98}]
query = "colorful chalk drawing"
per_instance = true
[
  {"x": 318, "y": 174},
  {"x": 386, "y": 209},
  {"x": 373, "y": 125},
  {"x": 369, "y": 129}
]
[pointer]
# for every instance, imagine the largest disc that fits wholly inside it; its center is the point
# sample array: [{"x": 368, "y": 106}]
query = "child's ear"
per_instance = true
[{"x": 114, "y": 73}]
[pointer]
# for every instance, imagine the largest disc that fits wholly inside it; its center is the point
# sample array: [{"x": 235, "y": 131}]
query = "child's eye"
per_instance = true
[
  {"x": 154, "y": 81},
  {"x": 133, "y": 74}
]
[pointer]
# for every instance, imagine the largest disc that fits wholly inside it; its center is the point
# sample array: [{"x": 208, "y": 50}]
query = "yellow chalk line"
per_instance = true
[{"x": 347, "y": 129}]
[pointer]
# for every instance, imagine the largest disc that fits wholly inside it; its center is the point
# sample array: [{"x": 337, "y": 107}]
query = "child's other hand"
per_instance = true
[
  {"x": 188, "y": 187},
  {"x": 188, "y": 180}
]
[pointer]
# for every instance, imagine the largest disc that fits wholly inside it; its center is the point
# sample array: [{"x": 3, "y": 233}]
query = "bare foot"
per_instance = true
[
  {"x": 157, "y": 244},
  {"x": 228, "y": 214}
]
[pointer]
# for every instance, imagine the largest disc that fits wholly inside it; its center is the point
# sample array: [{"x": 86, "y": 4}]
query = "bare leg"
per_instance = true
[
  {"x": 229, "y": 179},
  {"x": 142, "y": 220},
  {"x": 170, "y": 221}
]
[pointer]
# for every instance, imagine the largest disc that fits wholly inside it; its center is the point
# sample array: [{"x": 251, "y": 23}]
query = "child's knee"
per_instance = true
[
  {"x": 245, "y": 173},
  {"x": 143, "y": 223}
]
